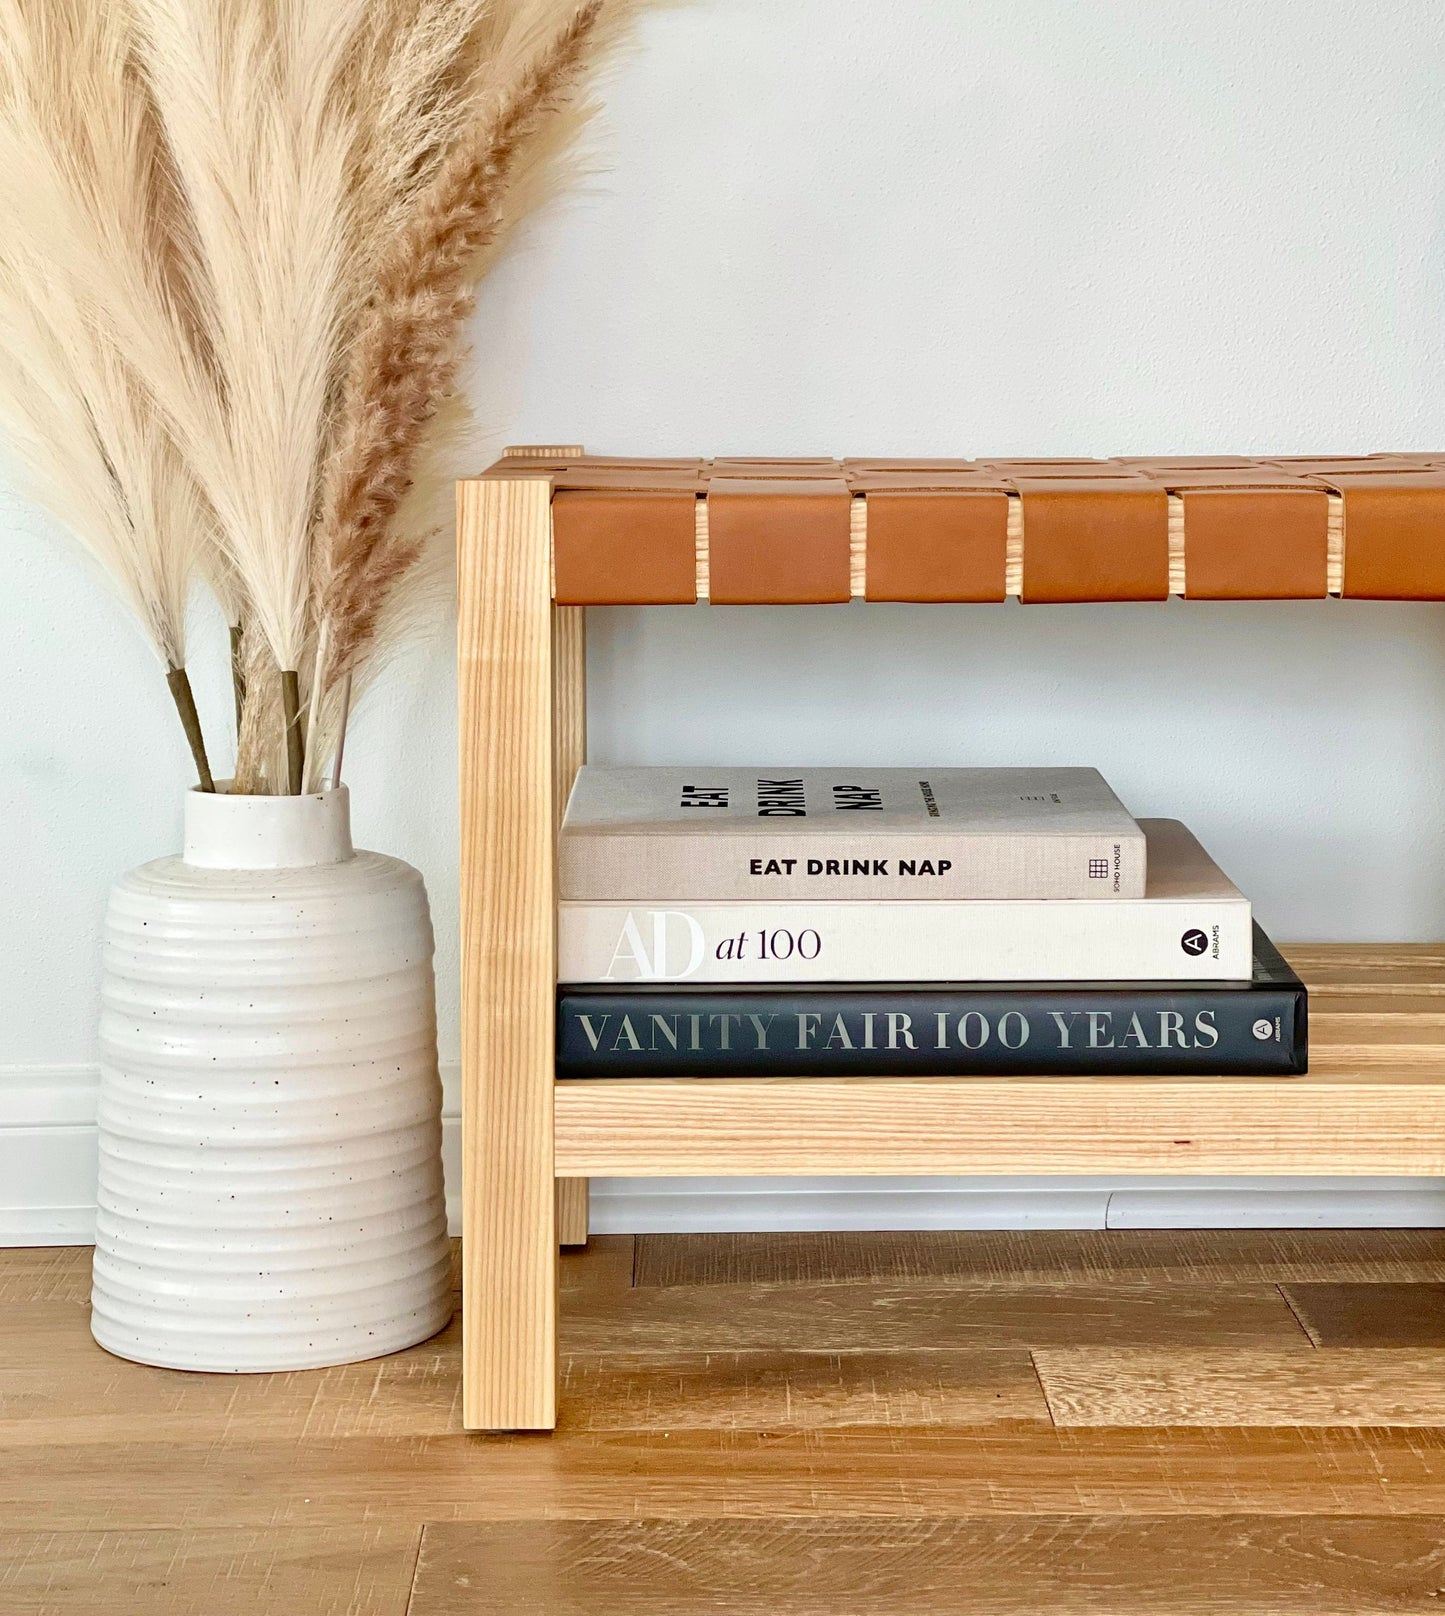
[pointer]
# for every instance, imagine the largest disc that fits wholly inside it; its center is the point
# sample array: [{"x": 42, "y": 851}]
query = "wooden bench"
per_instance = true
[{"x": 548, "y": 531}]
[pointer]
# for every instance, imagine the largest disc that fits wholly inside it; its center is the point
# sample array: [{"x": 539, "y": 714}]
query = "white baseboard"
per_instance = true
[{"x": 47, "y": 1188}]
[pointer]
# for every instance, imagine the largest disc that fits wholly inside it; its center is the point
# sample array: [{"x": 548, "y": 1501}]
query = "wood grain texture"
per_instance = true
[
  {"x": 1359, "y": 1257},
  {"x": 332, "y": 1571},
  {"x": 749, "y": 1391},
  {"x": 569, "y": 753},
  {"x": 1374, "y": 1102},
  {"x": 123, "y": 1487},
  {"x": 508, "y": 952},
  {"x": 1003, "y": 1468},
  {"x": 329, "y": 1571},
  {"x": 573, "y": 1205},
  {"x": 1377, "y": 1315},
  {"x": 45, "y": 1274},
  {"x": 543, "y": 451},
  {"x": 912, "y": 1318},
  {"x": 1066, "y": 1565},
  {"x": 1204, "y": 1386},
  {"x": 1346, "y": 1118}
]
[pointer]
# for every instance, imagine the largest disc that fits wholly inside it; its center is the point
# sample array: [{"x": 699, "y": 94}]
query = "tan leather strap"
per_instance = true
[
  {"x": 949, "y": 545},
  {"x": 777, "y": 539},
  {"x": 1094, "y": 538},
  {"x": 1394, "y": 534},
  {"x": 623, "y": 547},
  {"x": 1255, "y": 543}
]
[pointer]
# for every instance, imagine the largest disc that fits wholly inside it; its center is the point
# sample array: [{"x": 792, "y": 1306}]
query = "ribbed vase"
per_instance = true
[{"x": 270, "y": 1109}]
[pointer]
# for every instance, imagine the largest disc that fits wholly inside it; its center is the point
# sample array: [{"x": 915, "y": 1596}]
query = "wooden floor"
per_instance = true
[{"x": 797, "y": 1425}]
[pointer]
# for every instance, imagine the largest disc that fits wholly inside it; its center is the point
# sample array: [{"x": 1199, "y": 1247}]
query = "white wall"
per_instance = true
[{"x": 935, "y": 226}]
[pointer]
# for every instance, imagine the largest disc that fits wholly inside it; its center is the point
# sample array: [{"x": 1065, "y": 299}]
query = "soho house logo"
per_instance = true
[{"x": 1194, "y": 941}]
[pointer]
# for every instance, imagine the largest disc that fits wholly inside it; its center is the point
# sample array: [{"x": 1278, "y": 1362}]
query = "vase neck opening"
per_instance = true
[{"x": 235, "y": 832}]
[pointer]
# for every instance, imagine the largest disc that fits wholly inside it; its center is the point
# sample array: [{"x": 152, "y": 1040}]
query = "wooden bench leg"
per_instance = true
[
  {"x": 509, "y": 1204},
  {"x": 569, "y": 753},
  {"x": 572, "y": 1198}
]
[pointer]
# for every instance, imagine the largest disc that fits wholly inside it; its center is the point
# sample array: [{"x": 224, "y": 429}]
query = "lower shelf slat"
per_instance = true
[{"x": 1374, "y": 1102}]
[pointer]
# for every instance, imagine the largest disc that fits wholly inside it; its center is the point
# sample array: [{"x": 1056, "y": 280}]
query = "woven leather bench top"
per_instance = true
[{"x": 736, "y": 531}]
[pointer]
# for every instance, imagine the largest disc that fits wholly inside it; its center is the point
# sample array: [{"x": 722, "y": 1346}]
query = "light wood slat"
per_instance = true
[
  {"x": 912, "y": 1318},
  {"x": 1374, "y": 1102},
  {"x": 1013, "y": 570},
  {"x": 569, "y": 702},
  {"x": 702, "y": 580},
  {"x": 1178, "y": 573},
  {"x": 1355, "y": 1120},
  {"x": 328, "y": 1571},
  {"x": 1381, "y": 967},
  {"x": 1062, "y": 1565},
  {"x": 572, "y": 1211},
  {"x": 543, "y": 451},
  {"x": 1063, "y": 1257},
  {"x": 1004, "y": 1468},
  {"x": 1335, "y": 545},
  {"x": 569, "y": 753},
  {"x": 858, "y": 547},
  {"x": 1203, "y": 1386},
  {"x": 743, "y": 1391},
  {"x": 1364, "y": 1315},
  {"x": 508, "y": 952}
]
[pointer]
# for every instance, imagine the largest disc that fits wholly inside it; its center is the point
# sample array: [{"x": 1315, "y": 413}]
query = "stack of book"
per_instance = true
[{"x": 739, "y": 922}]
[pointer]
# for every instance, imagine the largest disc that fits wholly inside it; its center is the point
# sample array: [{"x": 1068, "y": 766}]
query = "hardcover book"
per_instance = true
[
  {"x": 694, "y": 835},
  {"x": 939, "y": 1029},
  {"x": 1193, "y": 926}
]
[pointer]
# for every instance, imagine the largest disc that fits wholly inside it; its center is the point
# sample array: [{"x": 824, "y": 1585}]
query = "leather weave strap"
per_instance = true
[
  {"x": 1256, "y": 543},
  {"x": 762, "y": 529},
  {"x": 1394, "y": 534},
  {"x": 624, "y": 547},
  {"x": 937, "y": 546},
  {"x": 778, "y": 540},
  {"x": 1094, "y": 538}
]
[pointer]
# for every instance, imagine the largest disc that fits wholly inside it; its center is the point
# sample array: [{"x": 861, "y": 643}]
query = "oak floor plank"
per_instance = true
[
  {"x": 739, "y": 1391},
  {"x": 1044, "y": 1257},
  {"x": 1359, "y": 1387},
  {"x": 83, "y": 1395},
  {"x": 1004, "y": 1468},
  {"x": 603, "y": 1267},
  {"x": 69, "y": 1391},
  {"x": 45, "y": 1274},
  {"x": 910, "y": 1318},
  {"x": 332, "y": 1571},
  {"x": 1067, "y": 1565},
  {"x": 1371, "y": 1315},
  {"x": 57, "y": 1386}
]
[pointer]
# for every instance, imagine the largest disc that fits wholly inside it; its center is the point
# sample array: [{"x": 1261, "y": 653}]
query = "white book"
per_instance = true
[
  {"x": 1194, "y": 925},
  {"x": 705, "y": 835}
]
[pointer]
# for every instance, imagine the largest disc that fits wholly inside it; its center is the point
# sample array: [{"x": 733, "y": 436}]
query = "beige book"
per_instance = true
[{"x": 728, "y": 835}]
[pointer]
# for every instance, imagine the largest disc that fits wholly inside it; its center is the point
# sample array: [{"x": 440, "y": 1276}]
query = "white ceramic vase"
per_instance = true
[{"x": 270, "y": 1110}]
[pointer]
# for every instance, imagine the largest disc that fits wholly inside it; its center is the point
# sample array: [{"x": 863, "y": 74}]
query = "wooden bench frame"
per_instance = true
[{"x": 530, "y": 1144}]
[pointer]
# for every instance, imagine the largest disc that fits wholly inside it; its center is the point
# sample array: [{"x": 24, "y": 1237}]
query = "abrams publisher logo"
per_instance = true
[{"x": 1194, "y": 941}]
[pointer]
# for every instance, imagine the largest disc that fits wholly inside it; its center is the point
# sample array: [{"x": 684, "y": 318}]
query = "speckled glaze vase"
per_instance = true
[{"x": 270, "y": 1110}]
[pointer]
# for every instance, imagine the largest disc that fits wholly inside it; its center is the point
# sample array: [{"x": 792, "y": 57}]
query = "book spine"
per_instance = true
[
  {"x": 1259, "y": 1031},
  {"x": 667, "y": 866},
  {"x": 1152, "y": 940}
]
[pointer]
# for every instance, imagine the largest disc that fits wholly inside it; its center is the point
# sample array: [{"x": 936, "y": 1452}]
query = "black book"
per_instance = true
[{"x": 939, "y": 1029}]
